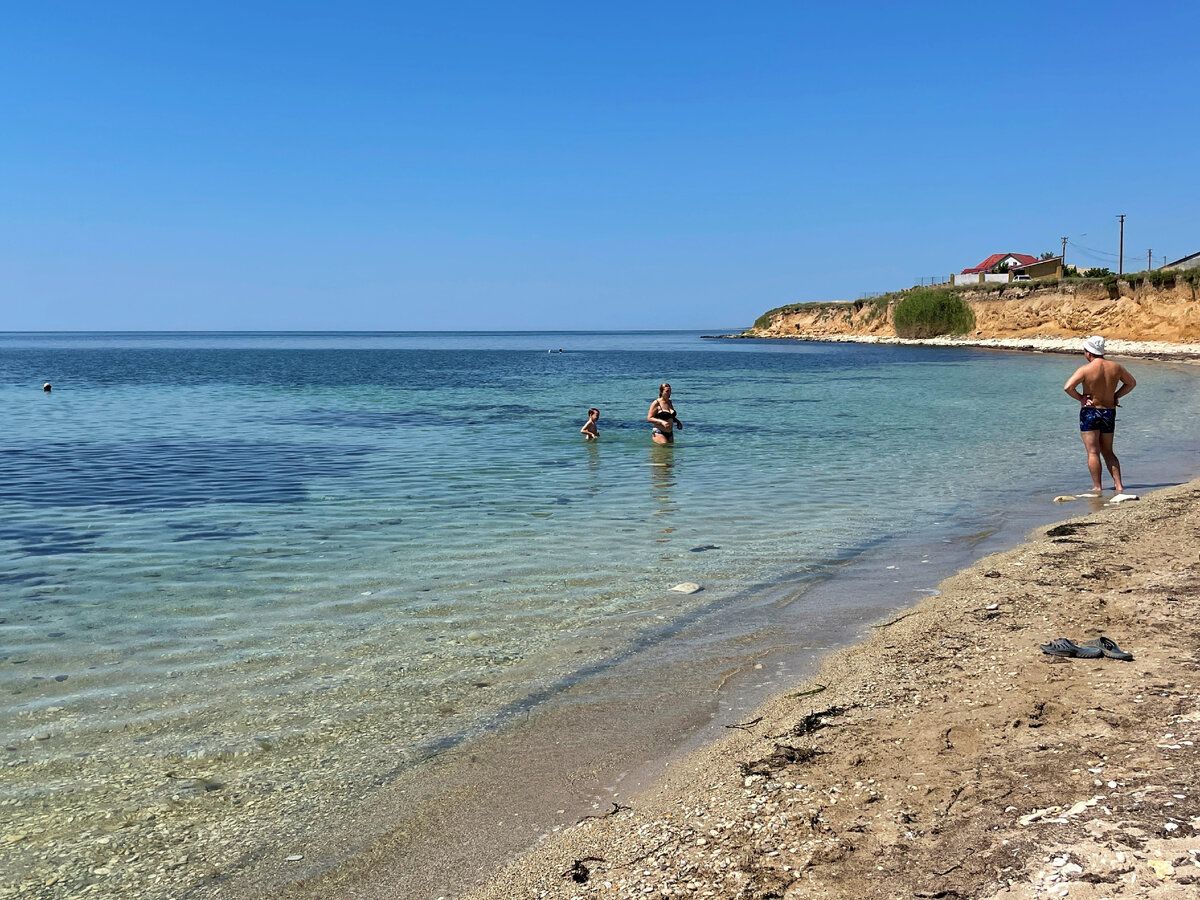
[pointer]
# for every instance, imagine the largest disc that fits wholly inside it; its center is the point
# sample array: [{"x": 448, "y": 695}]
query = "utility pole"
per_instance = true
[
  {"x": 1063, "y": 259},
  {"x": 1149, "y": 260},
  {"x": 1121, "y": 253}
]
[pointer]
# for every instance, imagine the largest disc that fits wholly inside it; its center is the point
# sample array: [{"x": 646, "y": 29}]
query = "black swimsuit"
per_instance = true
[{"x": 666, "y": 415}]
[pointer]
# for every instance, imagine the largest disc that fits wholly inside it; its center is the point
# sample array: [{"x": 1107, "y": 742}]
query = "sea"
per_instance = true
[{"x": 251, "y": 581}]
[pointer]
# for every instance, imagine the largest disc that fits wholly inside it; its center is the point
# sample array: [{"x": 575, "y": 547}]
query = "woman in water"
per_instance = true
[
  {"x": 662, "y": 417},
  {"x": 589, "y": 430}
]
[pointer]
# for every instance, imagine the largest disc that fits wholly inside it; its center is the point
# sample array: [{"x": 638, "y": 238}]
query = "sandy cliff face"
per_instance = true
[{"x": 1120, "y": 312}]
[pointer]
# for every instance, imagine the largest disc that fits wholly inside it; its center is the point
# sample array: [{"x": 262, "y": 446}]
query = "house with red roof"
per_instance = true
[
  {"x": 996, "y": 260},
  {"x": 995, "y": 268}
]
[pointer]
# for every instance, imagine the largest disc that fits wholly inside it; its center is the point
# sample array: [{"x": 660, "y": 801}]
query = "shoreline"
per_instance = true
[
  {"x": 1139, "y": 349},
  {"x": 945, "y": 755}
]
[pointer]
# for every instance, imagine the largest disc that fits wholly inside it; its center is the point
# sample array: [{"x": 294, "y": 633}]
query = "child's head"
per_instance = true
[{"x": 593, "y": 413}]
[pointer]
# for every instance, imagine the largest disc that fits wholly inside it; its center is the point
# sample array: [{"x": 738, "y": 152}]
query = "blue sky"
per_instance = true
[{"x": 553, "y": 165}]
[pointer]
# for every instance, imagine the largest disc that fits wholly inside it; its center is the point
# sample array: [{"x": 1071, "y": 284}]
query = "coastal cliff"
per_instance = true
[{"x": 1121, "y": 310}]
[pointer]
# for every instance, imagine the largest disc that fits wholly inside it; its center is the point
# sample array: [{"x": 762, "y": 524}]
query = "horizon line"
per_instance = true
[{"x": 359, "y": 331}]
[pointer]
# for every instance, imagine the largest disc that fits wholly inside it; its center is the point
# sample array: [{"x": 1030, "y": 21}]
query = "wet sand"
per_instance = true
[{"x": 945, "y": 756}]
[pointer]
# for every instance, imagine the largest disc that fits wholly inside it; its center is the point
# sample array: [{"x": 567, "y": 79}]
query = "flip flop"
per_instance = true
[
  {"x": 1109, "y": 648},
  {"x": 1069, "y": 649}
]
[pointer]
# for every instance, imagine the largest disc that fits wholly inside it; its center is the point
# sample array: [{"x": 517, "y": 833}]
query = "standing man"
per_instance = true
[{"x": 1104, "y": 383}]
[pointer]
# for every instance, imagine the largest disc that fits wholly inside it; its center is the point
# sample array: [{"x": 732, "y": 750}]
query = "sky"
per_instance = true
[{"x": 537, "y": 165}]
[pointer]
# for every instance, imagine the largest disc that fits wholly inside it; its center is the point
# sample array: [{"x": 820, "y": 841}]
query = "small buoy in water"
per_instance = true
[{"x": 47, "y": 387}]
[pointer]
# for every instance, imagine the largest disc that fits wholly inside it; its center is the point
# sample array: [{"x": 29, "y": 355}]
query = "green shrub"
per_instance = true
[
  {"x": 876, "y": 308},
  {"x": 1163, "y": 277},
  {"x": 1099, "y": 272},
  {"x": 929, "y": 312}
]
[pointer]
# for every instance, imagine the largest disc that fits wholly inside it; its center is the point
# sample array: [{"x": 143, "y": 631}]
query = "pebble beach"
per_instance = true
[
  {"x": 1139, "y": 349},
  {"x": 947, "y": 756}
]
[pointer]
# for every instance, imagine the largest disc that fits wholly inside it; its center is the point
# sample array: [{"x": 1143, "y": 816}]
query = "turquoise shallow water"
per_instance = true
[{"x": 216, "y": 544}]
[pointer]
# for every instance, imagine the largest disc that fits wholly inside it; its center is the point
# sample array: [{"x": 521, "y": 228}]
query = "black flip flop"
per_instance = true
[
  {"x": 1109, "y": 648},
  {"x": 1069, "y": 649}
]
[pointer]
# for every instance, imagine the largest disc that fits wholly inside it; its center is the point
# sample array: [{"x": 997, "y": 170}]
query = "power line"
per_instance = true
[
  {"x": 1093, "y": 250},
  {"x": 1095, "y": 257}
]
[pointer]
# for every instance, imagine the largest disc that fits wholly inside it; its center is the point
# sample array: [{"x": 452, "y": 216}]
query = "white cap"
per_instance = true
[{"x": 1094, "y": 345}]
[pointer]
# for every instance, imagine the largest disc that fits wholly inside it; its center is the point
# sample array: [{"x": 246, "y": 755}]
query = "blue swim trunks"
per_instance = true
[{"x": 1093, "y": 418}]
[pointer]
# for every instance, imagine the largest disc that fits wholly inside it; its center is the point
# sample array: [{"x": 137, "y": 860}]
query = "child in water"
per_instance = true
[{"x": 588, "y": 430}]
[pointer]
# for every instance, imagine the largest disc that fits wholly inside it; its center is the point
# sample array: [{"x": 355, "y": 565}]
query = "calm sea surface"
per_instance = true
[{"x": 260, "y": 548}]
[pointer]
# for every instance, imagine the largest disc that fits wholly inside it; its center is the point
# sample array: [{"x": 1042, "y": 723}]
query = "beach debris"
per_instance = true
[
  {"x": 703, "y": 548},
  {"x": 783, "y": 755},
  {"x": 295, "y": 857},
  {"x": 579, "y": 871},
  {"x": 1122, "y": 498},
  {"x": 197, "y": 783},
  {"x": 798, "y": 695},
  {"x": 616, "y": 808},
  {"x": 746, "y": 726},
  {"x": 1064, "y": 498},
  {"x": 1161, "y": 868},
  {"x": 1058, "y": 814},
  {"x": 1067, "y": 529},
  {"x": 811, "y": 723},
  {"x": 687, "y": 587},
  {"x": 1047, "y": 814},
  {"x": 1082, "y": 806},
  {"x": 814, "y": 721},
  {"x": 895, "y": 620}
]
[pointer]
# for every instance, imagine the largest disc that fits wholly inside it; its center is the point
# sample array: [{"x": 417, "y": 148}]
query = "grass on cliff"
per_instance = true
[
  {"x": 1157, "y": 277},
  {"x": 767, "y": 319},
  {"x": 929, "y": 312}
]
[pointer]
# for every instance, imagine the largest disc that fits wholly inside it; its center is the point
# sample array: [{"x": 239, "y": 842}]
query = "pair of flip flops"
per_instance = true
[{"x": 1102, "y": 646}]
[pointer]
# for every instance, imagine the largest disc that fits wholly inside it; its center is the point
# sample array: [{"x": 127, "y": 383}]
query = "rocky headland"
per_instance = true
[{"x": 1140, "y": 318}]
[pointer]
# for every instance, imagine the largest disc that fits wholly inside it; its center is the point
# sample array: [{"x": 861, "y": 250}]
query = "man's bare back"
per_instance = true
[{"x": 1103, "y": 382}]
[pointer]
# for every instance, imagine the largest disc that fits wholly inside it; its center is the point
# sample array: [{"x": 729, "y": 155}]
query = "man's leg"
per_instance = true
[
  {"x": 1091, "y": 443},
  {"x": 1110, "y": 458}
]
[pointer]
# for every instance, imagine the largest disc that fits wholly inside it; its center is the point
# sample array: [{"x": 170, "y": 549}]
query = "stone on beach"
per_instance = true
[{"x": 687, "y": 587}]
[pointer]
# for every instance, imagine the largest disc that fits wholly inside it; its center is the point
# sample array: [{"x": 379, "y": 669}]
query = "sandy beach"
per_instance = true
[{"x": 947, "y": 756}]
